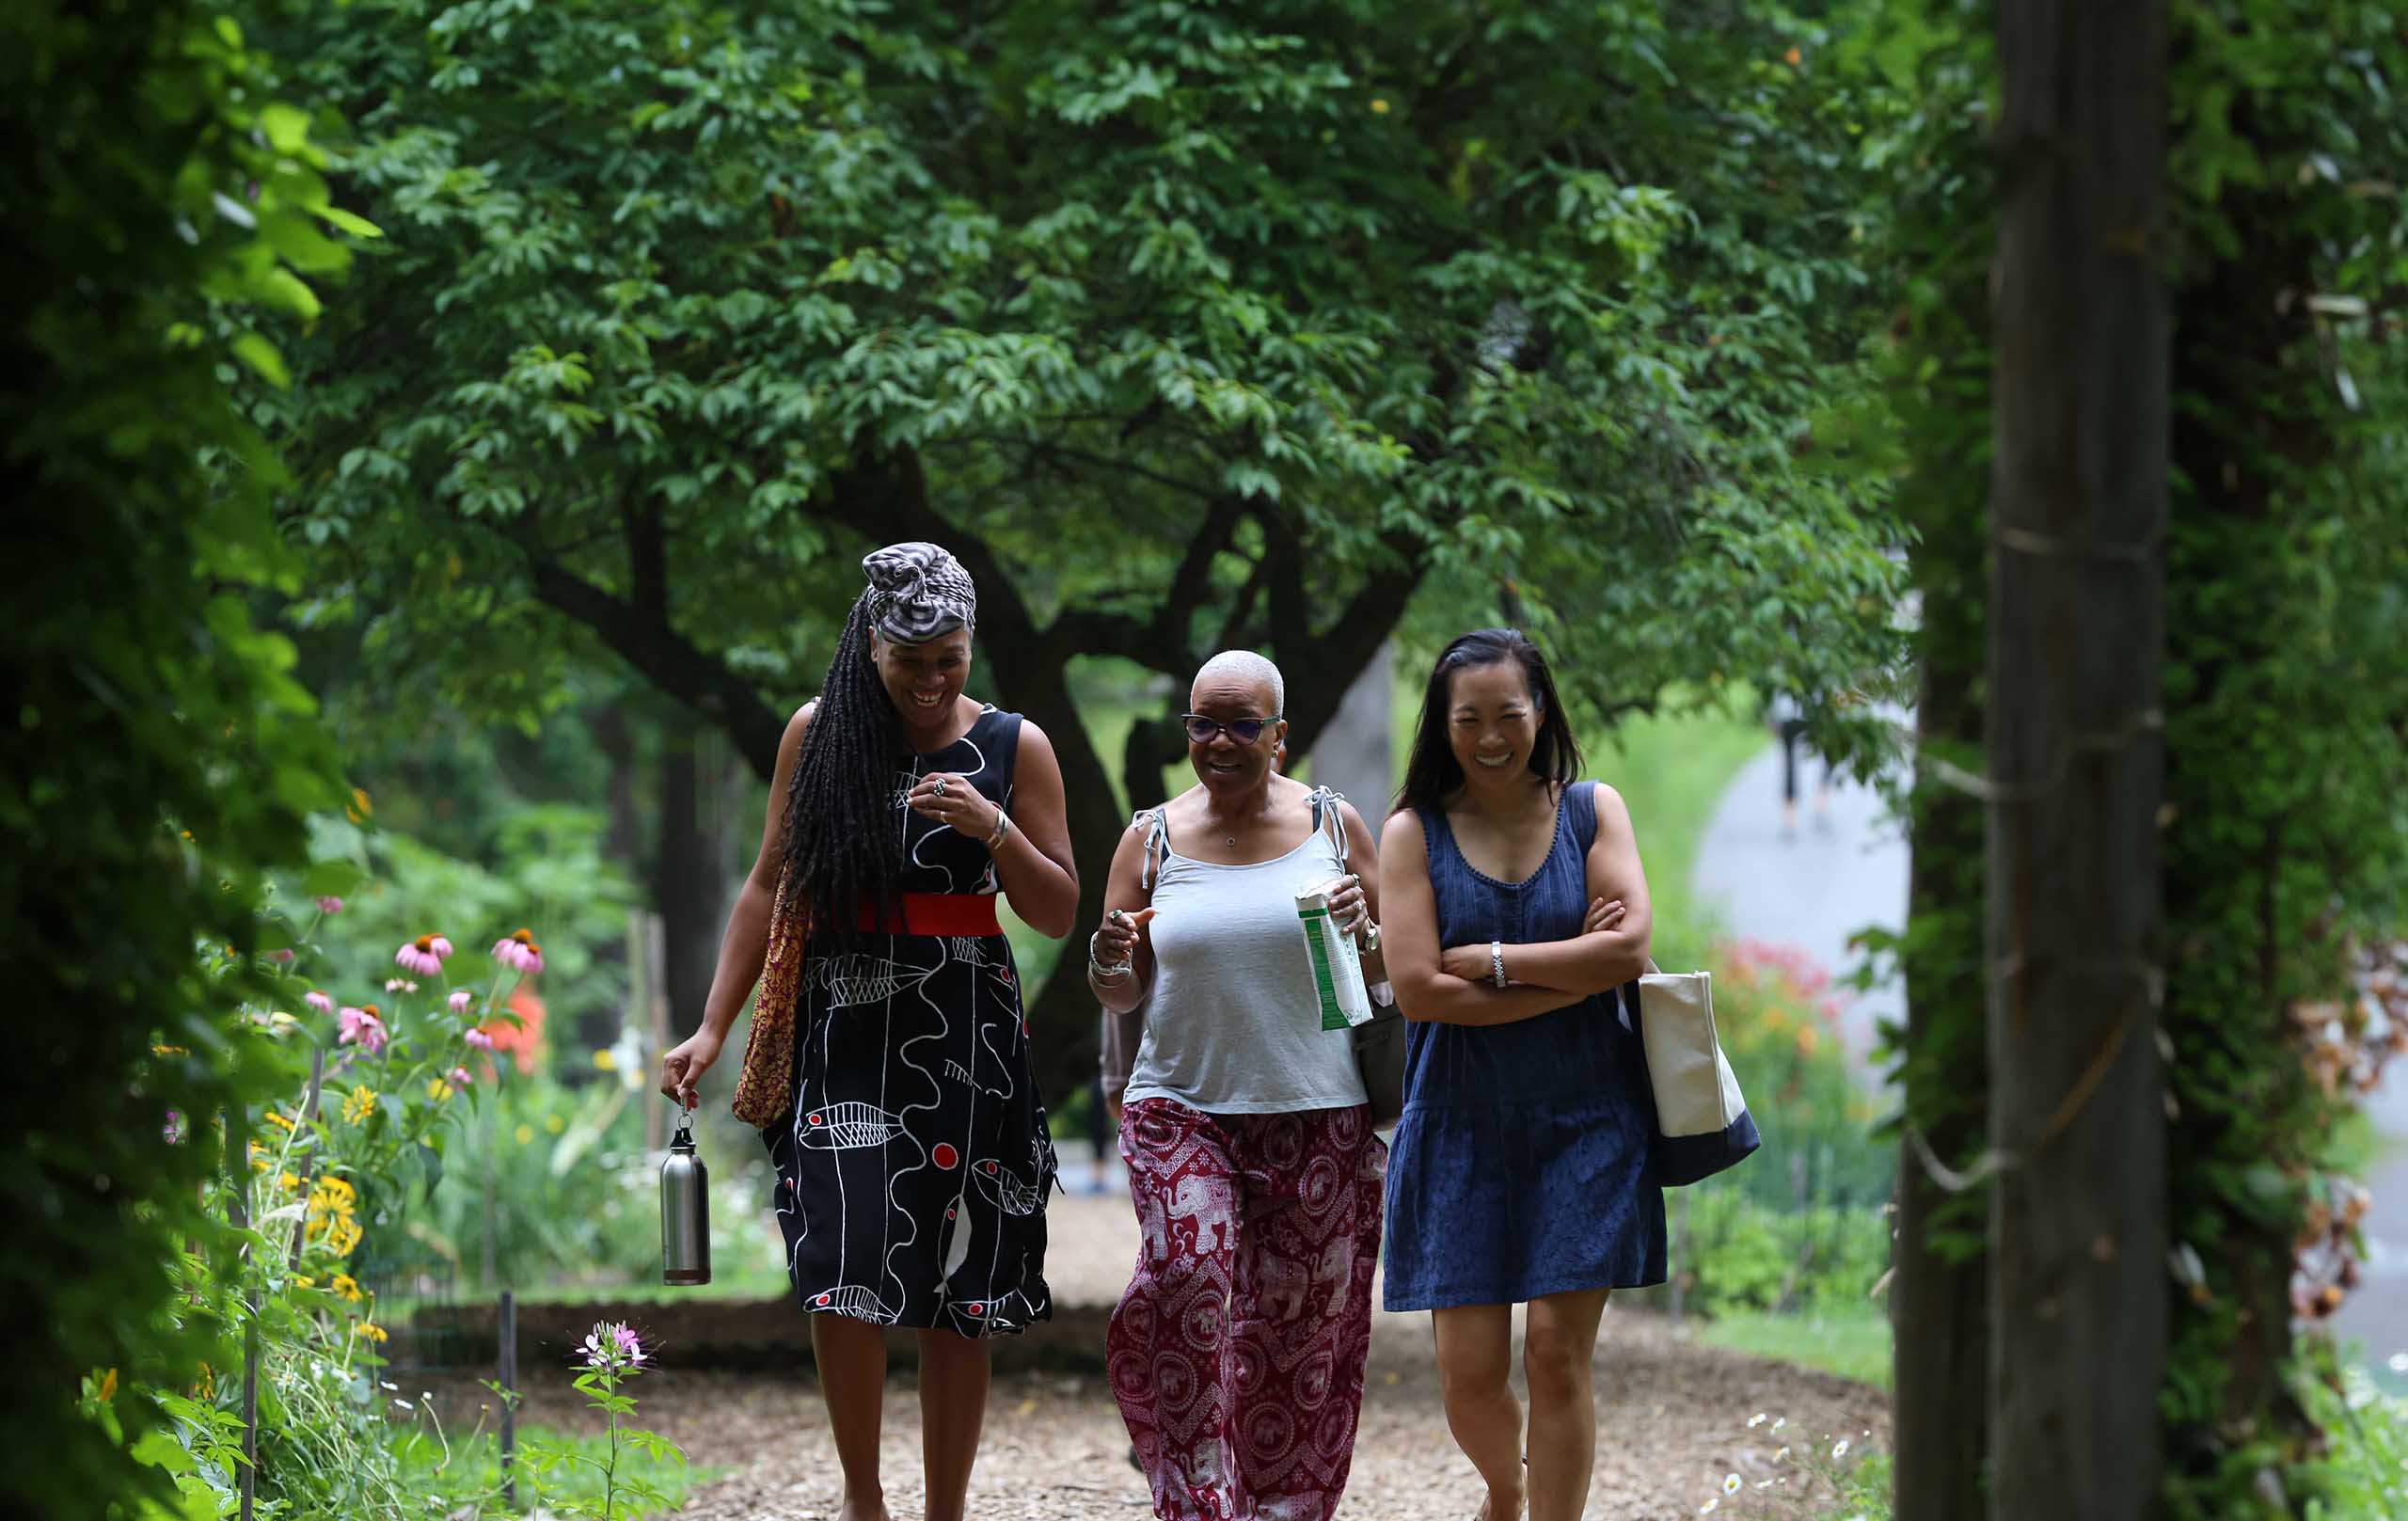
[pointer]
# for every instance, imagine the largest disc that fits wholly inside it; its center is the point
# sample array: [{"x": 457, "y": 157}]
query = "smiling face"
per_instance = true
[
  {"x": 923, "y": 680},
  {"x": 1222, "y": 763},
  {"x": 1492, "y": 723}
]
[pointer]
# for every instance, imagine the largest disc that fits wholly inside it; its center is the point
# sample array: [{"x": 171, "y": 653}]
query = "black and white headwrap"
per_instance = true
[{"x": 918, "y": 590}]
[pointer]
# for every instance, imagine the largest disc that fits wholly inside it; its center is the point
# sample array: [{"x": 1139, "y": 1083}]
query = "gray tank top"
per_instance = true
[{"x": 1233, "y": 1020}]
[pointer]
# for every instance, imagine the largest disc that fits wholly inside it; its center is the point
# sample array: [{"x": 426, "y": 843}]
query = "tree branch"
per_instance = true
[{"x": 663, "y": 656}]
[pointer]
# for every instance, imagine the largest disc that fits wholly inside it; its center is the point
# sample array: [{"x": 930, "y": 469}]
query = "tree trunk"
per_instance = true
[
  {"x": 1938, "y": 1292},
  {"x": 2076, "y": 764}
]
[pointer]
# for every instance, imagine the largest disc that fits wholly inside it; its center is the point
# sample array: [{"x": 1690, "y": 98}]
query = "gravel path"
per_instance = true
[{"x": 1673, "y": 1420}]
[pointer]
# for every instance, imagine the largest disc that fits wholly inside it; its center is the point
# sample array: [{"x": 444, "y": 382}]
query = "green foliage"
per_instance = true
[
  {"x": 544, "y": 865},
  {"x": 2363, "y": 1467},
  {"x": 1737, "y": 1253},
  {"x": 157, "y": 754},
  {"x": 553, "y": 1187},
  {"x": 2286, "y": 761}
]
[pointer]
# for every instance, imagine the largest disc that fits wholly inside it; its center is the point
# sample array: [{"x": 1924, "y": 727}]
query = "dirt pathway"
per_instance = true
[{"x": 1673, "y": 1417}]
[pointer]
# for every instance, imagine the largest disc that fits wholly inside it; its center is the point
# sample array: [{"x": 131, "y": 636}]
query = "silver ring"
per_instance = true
[{"x": 940, "y": 786}]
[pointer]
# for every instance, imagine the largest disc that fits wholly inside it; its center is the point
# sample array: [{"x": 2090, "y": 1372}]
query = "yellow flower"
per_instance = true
[
  {"x": 437, "y": 1089},
  {"x": 347, "y": 1285},
  {"x": 107, "y": 1390},
  {"x": 1379, "y": 105},
  {"x": 170, "y": 1051},
  {"x": 206, "y": 1388},
  {"x": 343, "y": 1235},
  {"x": 274, "y": 1119},
  {"x": 555, "y": 1124},
  {"x": 526, "y": 1133},
  {"x": 303, "y": 1280},
  {"x": 360, "y": 807},
  {"x": 370, "y": 1329},
  {"x": 361, "y": 1105},
  {"x": 260, "y": 1162},
  {"x": 606, "y": 1059},
  {"x": 289, "y": 1181}
]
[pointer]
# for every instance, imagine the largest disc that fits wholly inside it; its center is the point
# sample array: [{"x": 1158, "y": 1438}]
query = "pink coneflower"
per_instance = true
[
  {"x": 329, "y": 906},
  {"x": 172, "y": 1131},
  {"x": 283, "y": 957},
  {"x": 421, "y": 956},
  {"x": 460, "y": 1078},
  {"x": 318, "y": 1001},
  {"x": 361, "y": 1025},
  {"x": 479, "y": 1039},
  {"x": 519, "y": 952},
  {"x": 460, "y": 1000}
]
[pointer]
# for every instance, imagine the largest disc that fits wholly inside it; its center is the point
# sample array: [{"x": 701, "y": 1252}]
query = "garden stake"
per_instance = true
[
  {"x": 239, "y": 1209},
  {"x": 310, "y": 1157},
  {"x": 509, "y": 1397}
]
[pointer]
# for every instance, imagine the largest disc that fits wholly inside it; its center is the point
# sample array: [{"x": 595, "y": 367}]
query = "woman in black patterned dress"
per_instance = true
[{"x": 913, "y": 1167}]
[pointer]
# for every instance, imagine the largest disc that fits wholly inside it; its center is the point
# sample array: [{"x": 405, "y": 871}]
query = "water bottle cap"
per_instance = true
[{"x": 684, "y": 1139}]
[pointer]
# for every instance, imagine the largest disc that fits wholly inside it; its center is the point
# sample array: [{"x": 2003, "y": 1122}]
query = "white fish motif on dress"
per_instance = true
[
  {"x": 981, "y": 1310},
  {"x": 1010, "y": 1192},
  {"x": 956, "y": 1249},
  {"x": 853, "y": 1300},
  {"x": 857, "y": 978},
  {"x": 841, "y": 1126},
  {"x": 967, "y": 949}
]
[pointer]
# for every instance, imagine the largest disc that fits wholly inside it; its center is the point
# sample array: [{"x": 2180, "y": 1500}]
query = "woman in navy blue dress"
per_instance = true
[{"x": 1515, "y": 910}]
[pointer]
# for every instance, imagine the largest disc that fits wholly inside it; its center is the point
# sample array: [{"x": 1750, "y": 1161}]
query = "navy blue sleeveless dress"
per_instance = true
[{"x": 1520, "y": 1167}]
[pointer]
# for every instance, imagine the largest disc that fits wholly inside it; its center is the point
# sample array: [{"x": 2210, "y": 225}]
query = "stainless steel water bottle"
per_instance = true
[{"x": 685, "y": 1210}]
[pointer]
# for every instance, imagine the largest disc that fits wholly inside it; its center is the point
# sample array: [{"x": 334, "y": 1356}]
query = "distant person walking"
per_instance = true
[
  {"x": 1787, "y": 721},
  {"x": 1237, "y": 1353},
  {"x": 911, "y": 1146},
  {"x": 1516, "y": 909}
]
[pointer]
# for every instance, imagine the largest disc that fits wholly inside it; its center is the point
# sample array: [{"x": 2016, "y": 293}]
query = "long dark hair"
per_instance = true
[
  {"x": 843, "y": 846},
  {"x": 1432, "y": 772}
]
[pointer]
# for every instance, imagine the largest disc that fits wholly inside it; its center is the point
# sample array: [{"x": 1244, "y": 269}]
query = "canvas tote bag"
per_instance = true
[{"x": 1701, "y": 1122}]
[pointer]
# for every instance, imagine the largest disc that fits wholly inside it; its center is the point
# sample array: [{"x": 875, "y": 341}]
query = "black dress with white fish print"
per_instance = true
[{"x": 912, "y": 1175}]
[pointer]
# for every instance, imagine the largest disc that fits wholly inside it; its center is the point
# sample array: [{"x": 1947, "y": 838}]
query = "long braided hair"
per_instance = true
[{"x": 843, "y": 848}]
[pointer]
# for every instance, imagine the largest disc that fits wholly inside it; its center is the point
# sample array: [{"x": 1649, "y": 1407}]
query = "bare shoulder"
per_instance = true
[
  {"x": 1401, "y": 836},
  {"x": 1357, "y": 826},
  {"x": 1608, "y": 803}
]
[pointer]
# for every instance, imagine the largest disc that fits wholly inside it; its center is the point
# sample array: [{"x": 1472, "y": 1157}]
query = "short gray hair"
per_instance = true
[{"x": 1247, "y": 666}]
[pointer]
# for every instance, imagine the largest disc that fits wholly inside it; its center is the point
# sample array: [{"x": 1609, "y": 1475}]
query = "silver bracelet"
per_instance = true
[
  {"x": 1107, "y": 971},
  {"x": 1003, "y": 827},
  {"x": 1496, "y": 963}
]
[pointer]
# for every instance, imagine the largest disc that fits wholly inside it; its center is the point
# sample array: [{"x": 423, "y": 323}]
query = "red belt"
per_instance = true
[{"x": 938, "y": 913}]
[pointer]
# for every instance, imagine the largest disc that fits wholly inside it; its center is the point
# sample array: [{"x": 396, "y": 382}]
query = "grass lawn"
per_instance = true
[{"x": 1853, "y": 1343}]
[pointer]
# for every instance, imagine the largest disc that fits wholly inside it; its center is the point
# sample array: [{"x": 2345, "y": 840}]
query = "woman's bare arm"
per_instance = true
[
  {"x": 745, "y": 943},
  {"x": 1034, "y": 863}
]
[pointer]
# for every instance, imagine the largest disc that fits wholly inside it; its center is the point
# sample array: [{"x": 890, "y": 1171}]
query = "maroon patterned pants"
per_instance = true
[{"x": 1237, "y": 1352}]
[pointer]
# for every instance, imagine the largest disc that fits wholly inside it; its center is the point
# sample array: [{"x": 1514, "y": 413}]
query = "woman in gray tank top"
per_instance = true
[{"x": 1237, "y": 1353}]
